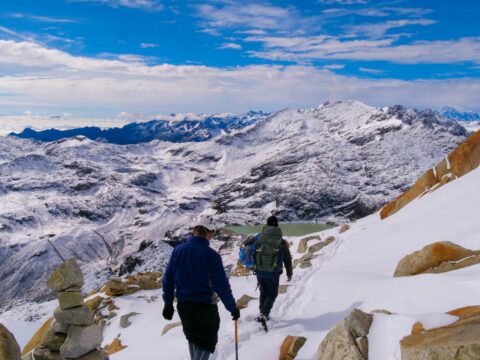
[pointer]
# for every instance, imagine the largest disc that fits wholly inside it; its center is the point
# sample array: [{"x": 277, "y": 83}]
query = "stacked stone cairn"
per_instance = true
[{"x": 73, "y": 333}]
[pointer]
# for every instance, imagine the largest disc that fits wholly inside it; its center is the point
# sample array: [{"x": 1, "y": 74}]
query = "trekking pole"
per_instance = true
[{"x": 236, "y": 339}]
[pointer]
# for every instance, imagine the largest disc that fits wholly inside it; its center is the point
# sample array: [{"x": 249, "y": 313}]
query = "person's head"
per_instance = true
[
  {"x": 205, "y": 227},
  {"x": 272, "y": 221}
]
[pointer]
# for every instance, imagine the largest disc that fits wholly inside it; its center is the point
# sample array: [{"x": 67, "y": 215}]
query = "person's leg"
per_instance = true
[
  {"x": 199, "y": 353},
  {"x": 191, "y": 348},
  {"x": 263, "y": 293},
  {"x": 271, "y": 293}
]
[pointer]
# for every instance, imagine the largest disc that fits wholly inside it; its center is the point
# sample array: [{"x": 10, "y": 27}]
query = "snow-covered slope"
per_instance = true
[
  {"x": 355, "y": 271},
  {"x": 98, "y": 201}
]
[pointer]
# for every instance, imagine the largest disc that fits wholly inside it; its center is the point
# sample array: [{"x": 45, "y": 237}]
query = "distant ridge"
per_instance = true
[{"x": 176, "y": 131}]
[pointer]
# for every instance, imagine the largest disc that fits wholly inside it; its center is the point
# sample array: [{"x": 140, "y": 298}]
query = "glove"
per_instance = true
[
  {"x": 235, "y": 314},
  {"x": 168, "y": 311}
]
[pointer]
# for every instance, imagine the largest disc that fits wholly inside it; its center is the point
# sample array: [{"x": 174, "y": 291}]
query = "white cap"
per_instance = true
[{"x": 207, "y": 222}]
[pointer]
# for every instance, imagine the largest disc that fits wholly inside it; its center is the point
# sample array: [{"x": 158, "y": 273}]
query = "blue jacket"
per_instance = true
[{"x": 196, "y": 271}]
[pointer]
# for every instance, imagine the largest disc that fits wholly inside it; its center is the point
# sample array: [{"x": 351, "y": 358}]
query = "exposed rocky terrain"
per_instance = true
[{"x": 98, "y": 202}]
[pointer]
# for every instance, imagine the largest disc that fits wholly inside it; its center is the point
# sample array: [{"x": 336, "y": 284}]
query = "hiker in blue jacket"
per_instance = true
[
  {"x": 271, "y": 253},
  {"x": 195, "y": 275}
]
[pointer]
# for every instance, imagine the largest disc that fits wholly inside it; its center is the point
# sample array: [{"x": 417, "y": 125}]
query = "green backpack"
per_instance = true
[{"x": 268, "y": 248}]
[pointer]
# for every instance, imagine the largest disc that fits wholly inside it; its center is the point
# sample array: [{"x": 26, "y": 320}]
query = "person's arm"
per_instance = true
[
  {"x": 287, "y": 260},
  {"x": 220, "y": 283},
  {"x": 169, "y": 281}
]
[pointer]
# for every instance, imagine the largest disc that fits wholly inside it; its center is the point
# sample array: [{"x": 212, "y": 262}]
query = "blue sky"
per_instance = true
[{"x": 99, "y": 59}]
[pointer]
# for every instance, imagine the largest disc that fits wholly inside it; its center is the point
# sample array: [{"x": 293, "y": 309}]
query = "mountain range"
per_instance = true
[{"x": 99, "y": 202}]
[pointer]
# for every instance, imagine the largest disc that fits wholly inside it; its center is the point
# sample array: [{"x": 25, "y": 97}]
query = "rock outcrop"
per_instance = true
[
  {"x": 348, "y": 339},
  {"x": 302, "y": 245},
  {"x": 9, "y": 349},
  {"x": 457, "y": 341},
  {"x": 291, "y": 346},
  {"x": 435, "y": 258},
  {"x": 117, "y": 286},
  {"x": 459, "y": 162},
  {"x": 72, "y": 333}
]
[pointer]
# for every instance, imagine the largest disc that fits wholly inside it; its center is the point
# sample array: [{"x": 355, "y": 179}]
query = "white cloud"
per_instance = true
[
  {"x": 379, "y": 30},
  {"x": 148, "y": 45},
  {"x": 58, "y": 82},
  {"x": 233, "y": 46},
  {"x": 371, "y": 71},
  {"x": 253, "y": 17},
  {"x": 147, "y": 5},
  {"x": 334, "y": 67},
  {"x": 343, "y": 2},
  {"x": 45, "y": 19},
  {"x": 333, "y": 48}
]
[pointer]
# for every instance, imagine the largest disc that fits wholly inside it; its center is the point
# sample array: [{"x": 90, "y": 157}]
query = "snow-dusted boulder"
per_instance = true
[
  {"x": 9, "y": 349},
  {"x": 431, "y": 257},
  {"x": 458, "y": 341},
  {"x": 348, "y": 339}
]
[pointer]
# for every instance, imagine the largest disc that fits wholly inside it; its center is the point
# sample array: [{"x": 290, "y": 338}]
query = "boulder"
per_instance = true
[
  {"x": 28, "y": 356},
  {"x": 431, "y": 256},
  {"x": 113, "y": 288},
  {"x": 461, "y": 161},
  {"x": 9, "y": 349},
  {"x": 348, "y": 339},
  {"x": 457, "y": 341},
  {"x": 41, "y": 353},
  {"x": 94, "y": 303},
  {"x": 291, "y": 346},
  {"x": 81, "y": 340},
  {"x": 95, "y": 355},
  {"x": 115, "y": 346},
  {"x": 125, "y": 319},
  {"x": 242, "y": 303},
  {"x": 58, "y": 328},
  {"x": 80, "y": 315},
  {"x": 67, "y": 275},
  {"x": 455, "y": 265},
  {"x": 318, "y": 246},
  {"x": 417, "y": 328},
  {"x": 69, "y": 299},
  {"x": 53, "y": 341},
  {"x": 169, "y": 327},
  {"x": 37, "y": 337},
  {"x": 343, "y": 228},
  {"x": 302, "y": 245}
]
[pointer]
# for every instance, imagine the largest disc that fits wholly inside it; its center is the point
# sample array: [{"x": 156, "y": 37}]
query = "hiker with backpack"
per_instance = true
[
  {"x": 195, "y": 275},
  {"x": 269, "y": 252}
]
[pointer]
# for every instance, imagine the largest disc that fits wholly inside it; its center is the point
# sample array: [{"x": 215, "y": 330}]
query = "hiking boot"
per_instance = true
[{"x": 261, "y": 318}]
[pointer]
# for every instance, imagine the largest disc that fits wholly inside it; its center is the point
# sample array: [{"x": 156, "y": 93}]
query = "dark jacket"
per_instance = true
[
  {"x": 196, "y": 271},
  {"x": 284, "y": 259}
]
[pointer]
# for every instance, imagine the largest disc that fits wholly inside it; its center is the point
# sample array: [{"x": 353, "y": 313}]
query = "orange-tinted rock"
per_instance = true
[
  {"x": 94, "y": 303},
  {"x": 290, "y": 347},
  {"x": 465, "y": 311},
  {"x": 430, "y": 257},
  {"x": 417, "y": 328},
  {"x": 462, "y": 160},
  {"x": 460, "y": 340},
  {"x": 466, "y": 157},
  {"x": 115, "y": 347},
  {"x": 37, "y": 337}
]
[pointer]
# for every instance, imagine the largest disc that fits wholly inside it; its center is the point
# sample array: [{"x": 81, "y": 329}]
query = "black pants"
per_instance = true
[
  {"x": 268, "y": 293},
  {"x": 200, "y": 323}
]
